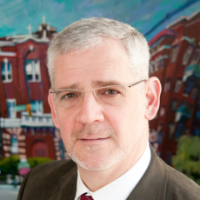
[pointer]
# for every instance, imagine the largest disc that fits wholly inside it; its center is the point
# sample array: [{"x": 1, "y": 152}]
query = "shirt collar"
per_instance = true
[{"x": 121, "y": 187}]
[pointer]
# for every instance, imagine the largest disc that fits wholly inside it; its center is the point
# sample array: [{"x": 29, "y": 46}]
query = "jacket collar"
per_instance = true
[
  {"x": 67, "y": 187},
  {"x": 151, "y": 186},
  {"x": 154, "y": 182}
]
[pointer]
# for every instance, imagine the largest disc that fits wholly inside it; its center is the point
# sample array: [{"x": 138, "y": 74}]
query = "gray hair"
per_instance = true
[{"x": 87, "y": 33}]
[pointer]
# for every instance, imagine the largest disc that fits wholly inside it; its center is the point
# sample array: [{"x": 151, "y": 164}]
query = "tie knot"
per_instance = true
[{"x": 84, "y": 197}]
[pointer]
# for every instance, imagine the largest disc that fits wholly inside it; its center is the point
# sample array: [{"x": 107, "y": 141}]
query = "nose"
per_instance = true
[{"x": 90, "y": 110}]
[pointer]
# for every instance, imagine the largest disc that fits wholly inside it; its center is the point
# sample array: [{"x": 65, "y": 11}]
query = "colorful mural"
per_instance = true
[
  {"x": 27, "y": 27},
  {"x": 175, "y": 60}
]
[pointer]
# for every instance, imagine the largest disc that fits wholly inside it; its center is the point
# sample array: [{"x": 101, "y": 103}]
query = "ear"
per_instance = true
[
  {"x": 152, "y": 91},
  {"x": 53, "y": 109}
]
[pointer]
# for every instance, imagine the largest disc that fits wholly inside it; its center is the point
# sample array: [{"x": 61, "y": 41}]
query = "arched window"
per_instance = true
[
  {"x": 178, "y": 85},
  {"x": 174, "y": 53},
  {"x": 187, "y": 55},
  {"x": 6, "y": 71},
  {"x": 40, "y": 149}
]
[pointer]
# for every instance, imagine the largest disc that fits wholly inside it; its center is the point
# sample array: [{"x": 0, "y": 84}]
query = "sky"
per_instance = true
[{"x": 16, "y": 15}]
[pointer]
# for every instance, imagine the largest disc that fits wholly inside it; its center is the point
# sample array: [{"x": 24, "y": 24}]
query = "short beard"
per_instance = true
[
  {"x": 116, "y": 155},
  {"x": 110, "y": 159}
]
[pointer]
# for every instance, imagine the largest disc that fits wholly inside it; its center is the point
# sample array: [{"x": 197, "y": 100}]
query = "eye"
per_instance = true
[
  {"x": 68, "y": 96},
  {"x": 111, "y": 91}
]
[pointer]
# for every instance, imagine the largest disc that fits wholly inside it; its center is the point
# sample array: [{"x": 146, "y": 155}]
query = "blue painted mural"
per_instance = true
[
  {"x": 149, "y": 17},
  {"x": 27, "y": 27}
]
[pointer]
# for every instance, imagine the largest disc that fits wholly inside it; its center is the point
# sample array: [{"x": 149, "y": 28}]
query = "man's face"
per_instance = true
[{"x": 97, "y": 135}]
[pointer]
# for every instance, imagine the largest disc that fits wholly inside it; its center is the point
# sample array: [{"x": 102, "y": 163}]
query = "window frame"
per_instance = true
[
  {"x": 12, "y": 109},
  {"x": 33, "y": 72},
  {"x": 174, "y": 53},
  {"x": 6, "y": 64},
  {"x": 187, "y": 55}
]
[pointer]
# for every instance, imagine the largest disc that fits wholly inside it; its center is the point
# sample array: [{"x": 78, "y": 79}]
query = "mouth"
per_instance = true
[{"x": 93, "y": 140}]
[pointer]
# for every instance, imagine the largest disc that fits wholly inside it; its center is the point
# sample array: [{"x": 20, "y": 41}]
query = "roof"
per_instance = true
[
  {"x": 183, "y": 18},
  {"x": 24, "y": 38},
  {"x": 162, "y": 33}
]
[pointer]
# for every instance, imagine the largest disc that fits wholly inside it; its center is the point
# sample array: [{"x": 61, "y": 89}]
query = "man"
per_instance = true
[{"x": 101, "y": 100}]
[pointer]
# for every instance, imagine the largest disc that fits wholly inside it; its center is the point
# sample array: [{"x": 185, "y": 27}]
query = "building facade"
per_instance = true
[
  {"x": 26, "y": 126},
  {"x": 175, "y": 60}
]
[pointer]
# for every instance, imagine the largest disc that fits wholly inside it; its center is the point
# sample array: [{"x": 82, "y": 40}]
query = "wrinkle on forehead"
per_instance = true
[
  {"x": 107, "y": 61},
  {"x": 92, "y": 66},
  {"x": 103, "y": 53}
]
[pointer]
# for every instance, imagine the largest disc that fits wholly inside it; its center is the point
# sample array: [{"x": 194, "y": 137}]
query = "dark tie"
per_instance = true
[{"x": 84, "y": 197}]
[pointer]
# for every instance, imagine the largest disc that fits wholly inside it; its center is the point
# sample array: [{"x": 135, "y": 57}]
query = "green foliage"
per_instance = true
[
  {"x": 9, "y": 165},
  {"x": 37, "y": 161},
  {"x": 187, "y": 158},
  {"x": 2, "y": 177}
]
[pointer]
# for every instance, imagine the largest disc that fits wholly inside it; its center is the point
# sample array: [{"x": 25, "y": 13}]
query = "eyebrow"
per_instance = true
[
  {"x": 94, "y": 83},
  {"x": 72, "y": 86},
  {"x": 105, "y": 83}
]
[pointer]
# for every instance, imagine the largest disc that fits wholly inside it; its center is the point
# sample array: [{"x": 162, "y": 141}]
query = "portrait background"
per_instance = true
[{"x": 27, "y": 134}]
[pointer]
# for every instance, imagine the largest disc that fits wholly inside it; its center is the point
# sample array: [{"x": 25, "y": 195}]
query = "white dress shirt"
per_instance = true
[{"x": 120, "y": 188}]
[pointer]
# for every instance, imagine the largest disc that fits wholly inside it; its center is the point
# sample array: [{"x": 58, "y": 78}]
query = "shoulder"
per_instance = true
[
  {"x": 44, "y": 180},
  {"x": 179, "y": 186},
  {"x": 53, "y": 170}
]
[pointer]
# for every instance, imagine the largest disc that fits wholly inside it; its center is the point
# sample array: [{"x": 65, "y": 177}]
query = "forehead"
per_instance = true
[{"x": 107, "y": 62}]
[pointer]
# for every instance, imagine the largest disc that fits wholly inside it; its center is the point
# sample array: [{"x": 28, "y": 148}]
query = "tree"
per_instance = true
[
  {"x": 187, "y": 158},
  {"x": 34, "y": 161},
  {"x": 9, "y": 165}
]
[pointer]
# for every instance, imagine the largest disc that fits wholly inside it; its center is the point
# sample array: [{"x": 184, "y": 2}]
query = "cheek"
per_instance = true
[
  {"x": 121, "y": 120},
  {"x": 66, "y": 124}
]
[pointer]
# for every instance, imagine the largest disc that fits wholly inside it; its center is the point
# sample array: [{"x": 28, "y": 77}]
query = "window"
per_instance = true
[
  {"x": 196, "y": 57},
  {"x": 178, "y": 131},
  {"x": 162, "y": 111},
  {"x": 171, "y": 129},
  {"x": 14, "y": 144},
  {"x": 11, "y": 104},
  {"x": 33, "y": 70},
  {"x": 174, "y": 53},
  {"x": 190, "y": 84},
  {"x": 167, "y": 85},
  {"x": 187, "y": 55},
  {"x": 161, "y": 62},
  {"x": 151, "y": 68},
  {"x": 156, "y": 65},
  {"x": 6, "y": 71},
  {"x": 178, "y": 85},
  {"x": 40, "y": 149},
  {"x": 173, "y": 105},
  {"x": 195, "y": 91},
  {"x": 36, "y": 106}
]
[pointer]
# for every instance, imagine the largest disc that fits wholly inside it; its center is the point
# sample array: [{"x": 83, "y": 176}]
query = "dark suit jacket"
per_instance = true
[{"x": 57, "y": 181}]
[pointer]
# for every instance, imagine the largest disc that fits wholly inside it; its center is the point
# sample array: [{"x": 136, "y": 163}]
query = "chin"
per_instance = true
[{"x": 95, "y": 161}]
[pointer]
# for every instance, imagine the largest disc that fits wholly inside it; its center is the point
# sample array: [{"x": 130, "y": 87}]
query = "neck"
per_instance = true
[{"x": 96, "y": 179}]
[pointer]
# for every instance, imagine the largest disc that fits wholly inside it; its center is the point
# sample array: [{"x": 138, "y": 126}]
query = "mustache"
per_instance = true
[{"x": 93, "y": 130}]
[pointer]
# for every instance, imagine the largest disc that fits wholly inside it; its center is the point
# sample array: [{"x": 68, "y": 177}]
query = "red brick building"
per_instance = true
[
  {"x": 175, "y": 60},
  {"x": 26, "y": 126}
]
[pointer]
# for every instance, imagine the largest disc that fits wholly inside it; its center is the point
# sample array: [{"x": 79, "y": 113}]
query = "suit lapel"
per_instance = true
[
  {"x": 153, "y": 184},
  {"x": 67, "y": 189}
]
